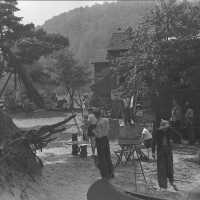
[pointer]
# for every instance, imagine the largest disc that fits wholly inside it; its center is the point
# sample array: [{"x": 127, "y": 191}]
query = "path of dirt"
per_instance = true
[
  {"x": 69, "y": 177},
  {"x": 66, "y": 177}
]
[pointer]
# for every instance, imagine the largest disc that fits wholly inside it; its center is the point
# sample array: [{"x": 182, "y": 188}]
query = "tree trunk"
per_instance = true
[
  {"x": 15, "y": 154},
  {"x": 19, "y": 166}
]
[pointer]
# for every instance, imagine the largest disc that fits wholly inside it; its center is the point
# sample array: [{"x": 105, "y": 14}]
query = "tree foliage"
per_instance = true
[
  {"x": 165, "y": 51},
  {"x": 22, "y": 44},
  {"x": 71, "y": 74},
  {"x": 91, "y": 27},
  {"x": 8, "y": 22},
  {"x": 39, "y": 43},
  {"x": 174, "y": 44}
]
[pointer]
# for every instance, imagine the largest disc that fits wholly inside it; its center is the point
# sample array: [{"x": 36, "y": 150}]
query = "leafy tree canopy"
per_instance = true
[
  {"x": 165, "y": 51},
  {"x": 71, "y": 74},
  {"x": 24, "y": 43}
]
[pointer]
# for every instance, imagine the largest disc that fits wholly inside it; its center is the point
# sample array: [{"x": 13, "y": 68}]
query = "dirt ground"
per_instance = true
[
  {"x": 70, "y": 177},
  {"x": 67, "y": 177}
]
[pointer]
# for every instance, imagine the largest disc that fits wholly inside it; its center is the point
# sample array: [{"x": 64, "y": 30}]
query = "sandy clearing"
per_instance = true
[{"x": 65, "y": 177}]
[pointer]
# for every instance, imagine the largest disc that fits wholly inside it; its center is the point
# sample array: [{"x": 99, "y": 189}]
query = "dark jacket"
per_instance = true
[{"x": 158, "y": 138}]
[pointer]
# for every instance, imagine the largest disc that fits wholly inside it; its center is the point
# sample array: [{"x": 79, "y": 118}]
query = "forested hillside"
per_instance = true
[{"x": 90, "y": 28}]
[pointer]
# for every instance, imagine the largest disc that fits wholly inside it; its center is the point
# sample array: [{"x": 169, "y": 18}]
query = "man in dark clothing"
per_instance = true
[{"x": 162, "y": 139}]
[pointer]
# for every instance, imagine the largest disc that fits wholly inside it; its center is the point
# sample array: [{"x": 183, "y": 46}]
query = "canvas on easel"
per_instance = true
[{"x": 130, "y": 135}]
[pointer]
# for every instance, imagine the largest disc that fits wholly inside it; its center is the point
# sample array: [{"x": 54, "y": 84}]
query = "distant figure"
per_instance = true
[
  {"x": 84, "y": 106},
  {"x": 104, "y": 161},
  {"x": 92, "y": 121},
  {"x": 189, "y": 120},
  {"x": 176, "y": 117},
  {"x": 132, "y": 109},
  {"x": 162, "y": 140},
  {"x": 127, "y": 111},
  {"x": 85, "y": 101}
]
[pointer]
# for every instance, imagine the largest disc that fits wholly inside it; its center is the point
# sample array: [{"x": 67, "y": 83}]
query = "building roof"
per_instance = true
[
  {"x": 120, "y": 40},
  {"x": 100, "y": 56}
]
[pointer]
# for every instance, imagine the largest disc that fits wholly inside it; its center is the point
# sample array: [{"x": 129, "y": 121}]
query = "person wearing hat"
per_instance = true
[
  {"x": 162, "y": 140},
  {"x": 104, "y": 162}
]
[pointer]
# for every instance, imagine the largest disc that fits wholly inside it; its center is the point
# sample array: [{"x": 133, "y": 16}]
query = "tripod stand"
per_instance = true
[{"x": 136, "y": 162}]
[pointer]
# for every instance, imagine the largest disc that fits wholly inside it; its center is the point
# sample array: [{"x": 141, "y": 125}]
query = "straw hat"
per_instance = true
[{"x": 164, "y": 124}]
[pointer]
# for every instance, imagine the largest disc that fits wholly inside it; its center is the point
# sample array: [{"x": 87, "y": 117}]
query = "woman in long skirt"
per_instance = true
[{"x": 102, "y": 144}]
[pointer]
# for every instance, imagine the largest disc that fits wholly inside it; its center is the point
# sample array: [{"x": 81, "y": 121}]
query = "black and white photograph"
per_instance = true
[{"x": 100, "y": 100}]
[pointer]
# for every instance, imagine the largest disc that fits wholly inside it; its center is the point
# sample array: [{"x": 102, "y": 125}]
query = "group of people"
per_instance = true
[
  {"x": 97, "y": 131},
  {"x": 179, "y": 127},
  {"x": 161, "y": 139},
  {"x": 182, "y": 120}
]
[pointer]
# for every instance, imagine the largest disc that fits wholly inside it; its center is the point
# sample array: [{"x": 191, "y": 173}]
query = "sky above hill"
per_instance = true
[{"x": 40, "y": 11}]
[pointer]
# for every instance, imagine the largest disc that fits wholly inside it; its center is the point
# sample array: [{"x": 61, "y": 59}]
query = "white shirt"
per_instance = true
[
  {"x": 126, "y": 102},
  {"x": 146, "y": 135},
  {"x": 102, "y": 128},
  {"x": 131, "y": 103}
]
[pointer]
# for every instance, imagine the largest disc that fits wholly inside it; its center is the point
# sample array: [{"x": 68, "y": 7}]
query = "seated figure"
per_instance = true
[{"x": 146, "y": 138}]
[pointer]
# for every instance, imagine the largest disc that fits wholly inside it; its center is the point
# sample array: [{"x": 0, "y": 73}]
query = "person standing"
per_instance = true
[
  {"x": 103, "y": 148},
  {"x": 189, "y": 118},
  {"x": 90, "y": 133},
  {"x": 127, "y": 111},
  {"x": 162, "y": 140},
  {"x": 176, "y": 118}
]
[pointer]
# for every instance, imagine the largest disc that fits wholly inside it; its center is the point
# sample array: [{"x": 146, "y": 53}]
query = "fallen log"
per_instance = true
[
  {"x": 18, "y": 160},
  {"x": 40, "y": 138},
  {"x": 36, "y": 139}
]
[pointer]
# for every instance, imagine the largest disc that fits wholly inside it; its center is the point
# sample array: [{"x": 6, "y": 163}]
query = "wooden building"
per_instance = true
[
  {"x": 105, "y": 81},
  {"x": 102, "y": 82},
  {"x": 119, "y": 44}
]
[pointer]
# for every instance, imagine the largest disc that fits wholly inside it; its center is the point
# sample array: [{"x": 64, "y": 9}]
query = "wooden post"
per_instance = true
[
  {"x": 75, "y": 148},
  {"x": 83, "y": 151}
]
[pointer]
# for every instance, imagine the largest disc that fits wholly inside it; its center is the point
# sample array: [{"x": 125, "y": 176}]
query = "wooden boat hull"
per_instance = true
[{"x": 103, "y": 190}]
